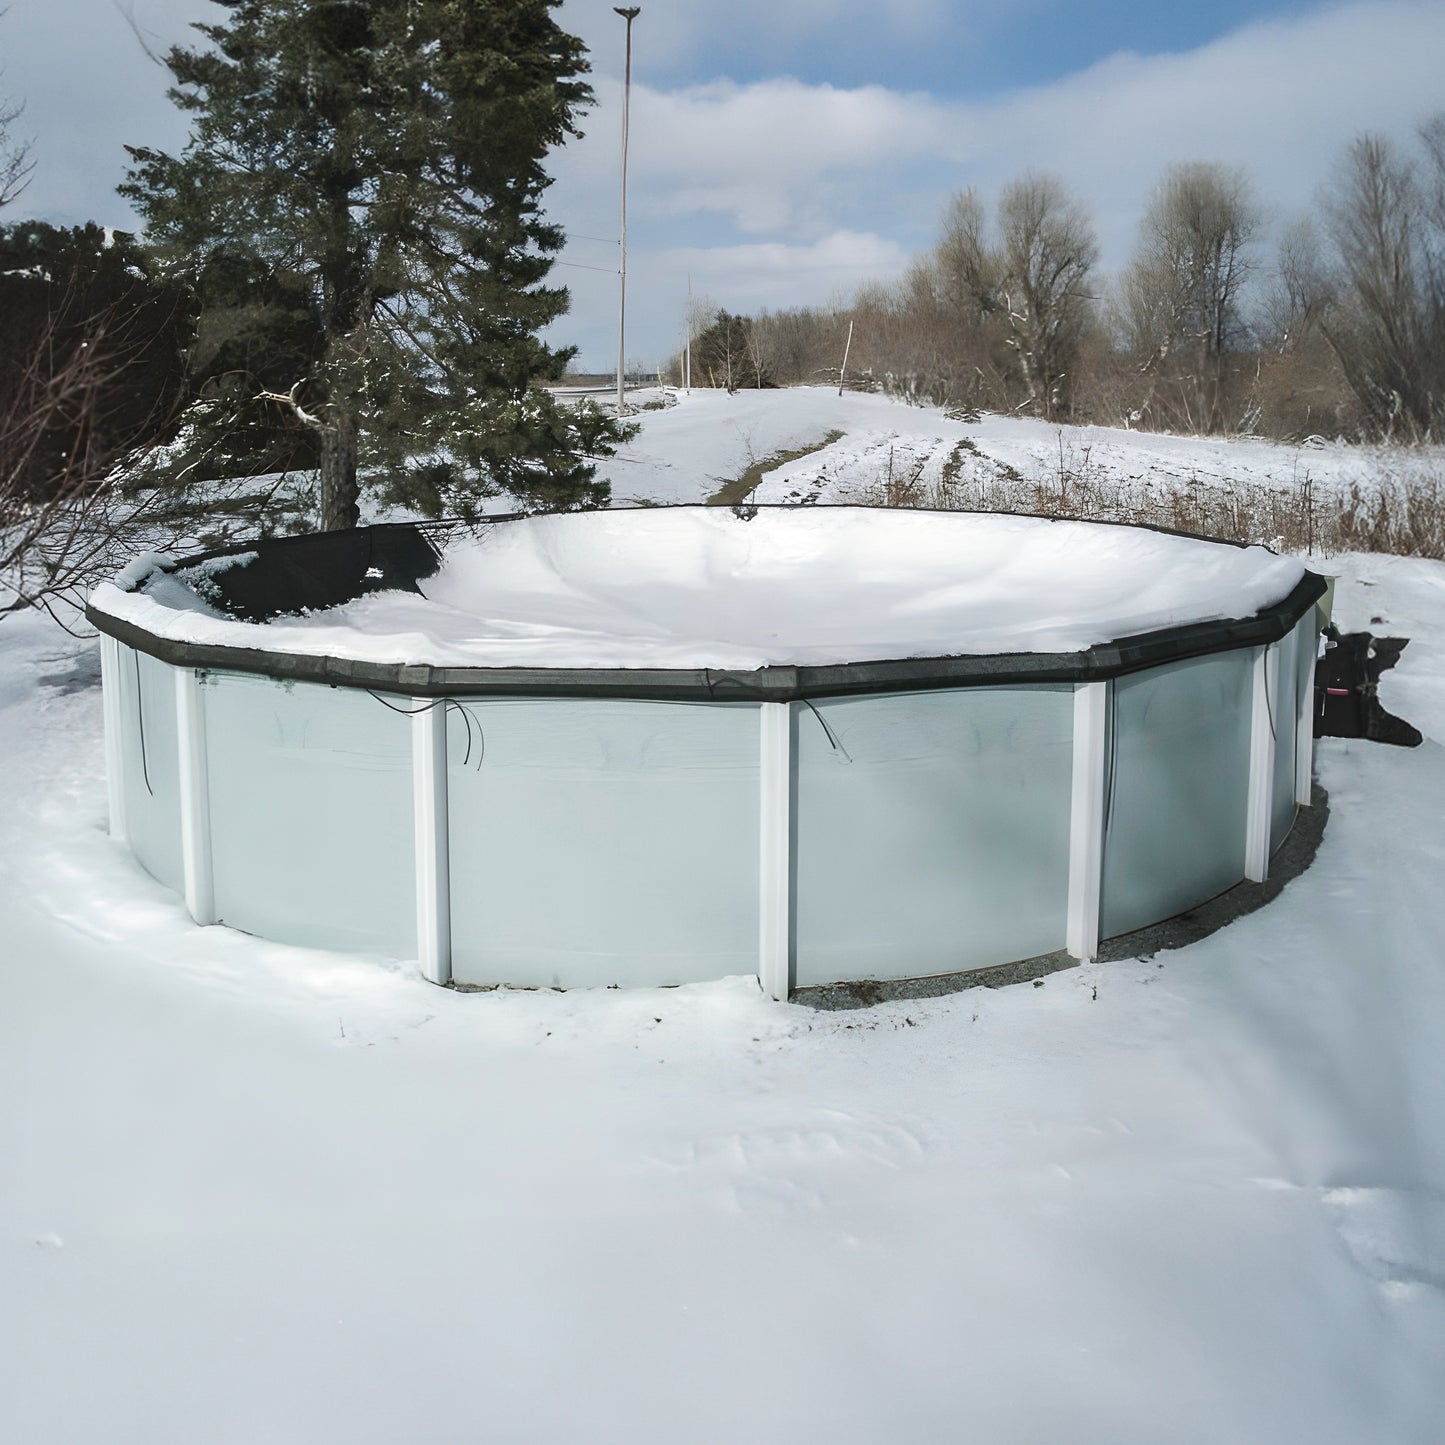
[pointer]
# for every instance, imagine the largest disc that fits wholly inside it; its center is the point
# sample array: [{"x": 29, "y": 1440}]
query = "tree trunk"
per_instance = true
[{"x": 338, "y": 476}]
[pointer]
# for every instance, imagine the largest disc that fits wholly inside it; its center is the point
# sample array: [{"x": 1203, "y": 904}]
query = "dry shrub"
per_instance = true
[{"x": 1399, "y": 510}]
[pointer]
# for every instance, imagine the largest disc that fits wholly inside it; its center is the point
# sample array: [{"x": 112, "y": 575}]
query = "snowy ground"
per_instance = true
[
  {"x": 256, "y": 1193},
  {"x": 686, "y": 452}
]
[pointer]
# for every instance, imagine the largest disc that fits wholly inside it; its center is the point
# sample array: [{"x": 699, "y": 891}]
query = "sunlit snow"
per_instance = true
[
  {"x": 709, "y": 587},
  {"x": 258, "y": 1193}
]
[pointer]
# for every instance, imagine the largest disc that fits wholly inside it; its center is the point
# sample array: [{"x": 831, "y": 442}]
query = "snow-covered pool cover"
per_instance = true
[{"x": 694, "y": 587}]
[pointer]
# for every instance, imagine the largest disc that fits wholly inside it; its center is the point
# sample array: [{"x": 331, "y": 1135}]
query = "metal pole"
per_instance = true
[
  {"x": 629, "y": 14},
  {"x": 847, "y": 347}
]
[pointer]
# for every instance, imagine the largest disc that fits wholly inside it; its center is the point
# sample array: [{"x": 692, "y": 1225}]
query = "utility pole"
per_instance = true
[
  {"x": 629, "y": 13},
  {"x": 847, "y": 347}
]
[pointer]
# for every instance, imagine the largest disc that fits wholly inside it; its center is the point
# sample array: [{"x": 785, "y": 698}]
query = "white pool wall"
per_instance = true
[{"x": 594, "y": 842}]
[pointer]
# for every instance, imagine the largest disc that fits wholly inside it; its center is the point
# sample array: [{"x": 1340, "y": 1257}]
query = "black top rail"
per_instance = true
[{"x": 319, "y": 570}]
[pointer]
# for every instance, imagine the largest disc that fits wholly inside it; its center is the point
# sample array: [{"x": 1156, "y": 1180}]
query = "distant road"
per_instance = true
[{"x": 602, "y": 389}]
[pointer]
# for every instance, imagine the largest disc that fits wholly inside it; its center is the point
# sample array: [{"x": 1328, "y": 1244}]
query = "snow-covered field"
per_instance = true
[
  {"x": 687, "y": 451},
  {"x": 256, "y": 1193}
]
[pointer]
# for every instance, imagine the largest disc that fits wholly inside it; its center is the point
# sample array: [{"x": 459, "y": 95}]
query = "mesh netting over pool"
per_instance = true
[{"x": 653, "y": 746}]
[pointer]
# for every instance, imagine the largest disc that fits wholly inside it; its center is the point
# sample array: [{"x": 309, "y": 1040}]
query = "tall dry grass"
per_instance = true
[{"x": 1396, "y": 509}]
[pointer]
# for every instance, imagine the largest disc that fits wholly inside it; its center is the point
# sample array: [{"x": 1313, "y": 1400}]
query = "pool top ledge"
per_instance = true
[{"x": 706, "y": 603}]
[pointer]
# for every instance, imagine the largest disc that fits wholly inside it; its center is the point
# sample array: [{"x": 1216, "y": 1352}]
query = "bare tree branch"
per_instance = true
[
  {"x": 127, "y": 13},
  {"x": 290, "y": 399},
  {"x": 16, "y": 161}
]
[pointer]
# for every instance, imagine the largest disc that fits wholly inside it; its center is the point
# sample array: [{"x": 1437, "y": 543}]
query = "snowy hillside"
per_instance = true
[
  {"x": 708, "y": 438},
  {"x": 258, "y": 1193}
]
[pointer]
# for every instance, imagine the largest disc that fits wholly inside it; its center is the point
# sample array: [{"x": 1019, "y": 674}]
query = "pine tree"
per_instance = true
[
  {"x": 385, "y": 159},
  {"x": 724, "y": 356}
]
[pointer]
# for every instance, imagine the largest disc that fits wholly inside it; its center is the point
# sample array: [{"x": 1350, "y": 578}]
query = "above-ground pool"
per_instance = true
[{"x": 663, "y": 745}]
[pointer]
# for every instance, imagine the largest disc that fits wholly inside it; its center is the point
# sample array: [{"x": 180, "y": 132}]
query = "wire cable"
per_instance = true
[
  {"x": 468, "y": 718},
  {"x": 1268, "y": 701},
  {"x": 828, "y": 732},
  {"x": 141, "y": 719},
  {"x": 1111, "y": 745}
]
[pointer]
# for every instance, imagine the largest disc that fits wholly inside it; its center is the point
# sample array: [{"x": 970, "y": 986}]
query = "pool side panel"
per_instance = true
[
  {"x": 1283, "y": 711},
  {"x": 1177, "y": 811},
  {"x": 933, "y": 831},
  {"x": 599, "y": 841},
  {"x": 150, "y": 766},
  {"x": 311, "y": 814}
]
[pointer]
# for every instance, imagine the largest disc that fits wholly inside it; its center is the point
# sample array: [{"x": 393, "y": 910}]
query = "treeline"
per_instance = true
[{"x": 1337, "y": 328}]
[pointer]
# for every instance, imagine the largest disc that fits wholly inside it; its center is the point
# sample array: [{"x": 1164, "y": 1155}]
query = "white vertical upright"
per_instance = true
[
  {"x": 112, "y": 709},
  {"x": 775, "y": 801},
  {"x": 433, "y": 863},
  {"x": 1304, "y": 748},
  {"x": 1263, "y": 722},
  {"x": 195, "y": 796},
  {"x": 1086, "y": 816}
]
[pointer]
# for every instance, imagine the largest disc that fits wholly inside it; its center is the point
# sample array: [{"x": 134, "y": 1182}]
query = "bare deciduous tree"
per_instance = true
[
  {"x": 1299, "y": 290},
  {"x": 16, "y": 162},
  {"x": 1047, "y": 250},
  {"x": 758, "y": 336},
  {"x": 1344, "y": 331},
  {"x": 792, "y": 343},
  {"x": 1020, "y": 291},
  {"x": 965, "y": 266},
  {"x": 1388, "y": 325},
  {"x": 78, "y": 494},
  {"x": 62, "y": 515},
  {"x": 1432, "y": 142},
  {"x": 1299, "y": 385},
  {"x": 15, "y": 159},
  {"x": 1181, "y": 294}
]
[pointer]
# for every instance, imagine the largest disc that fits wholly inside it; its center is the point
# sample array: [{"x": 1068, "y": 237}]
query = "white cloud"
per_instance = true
[
  {"x": 751, "y": 276},
  {"x": 778, "y": 191},
  {"x": 784, "y": 164},
  {"x": 774, "y": 274},
  {"x": 693, "y": 36}
]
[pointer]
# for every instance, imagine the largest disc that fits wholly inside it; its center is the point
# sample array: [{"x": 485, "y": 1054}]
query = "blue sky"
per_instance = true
[
  {"x": 785, "y": 151},
  {"x": 966, "y": 47}
]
